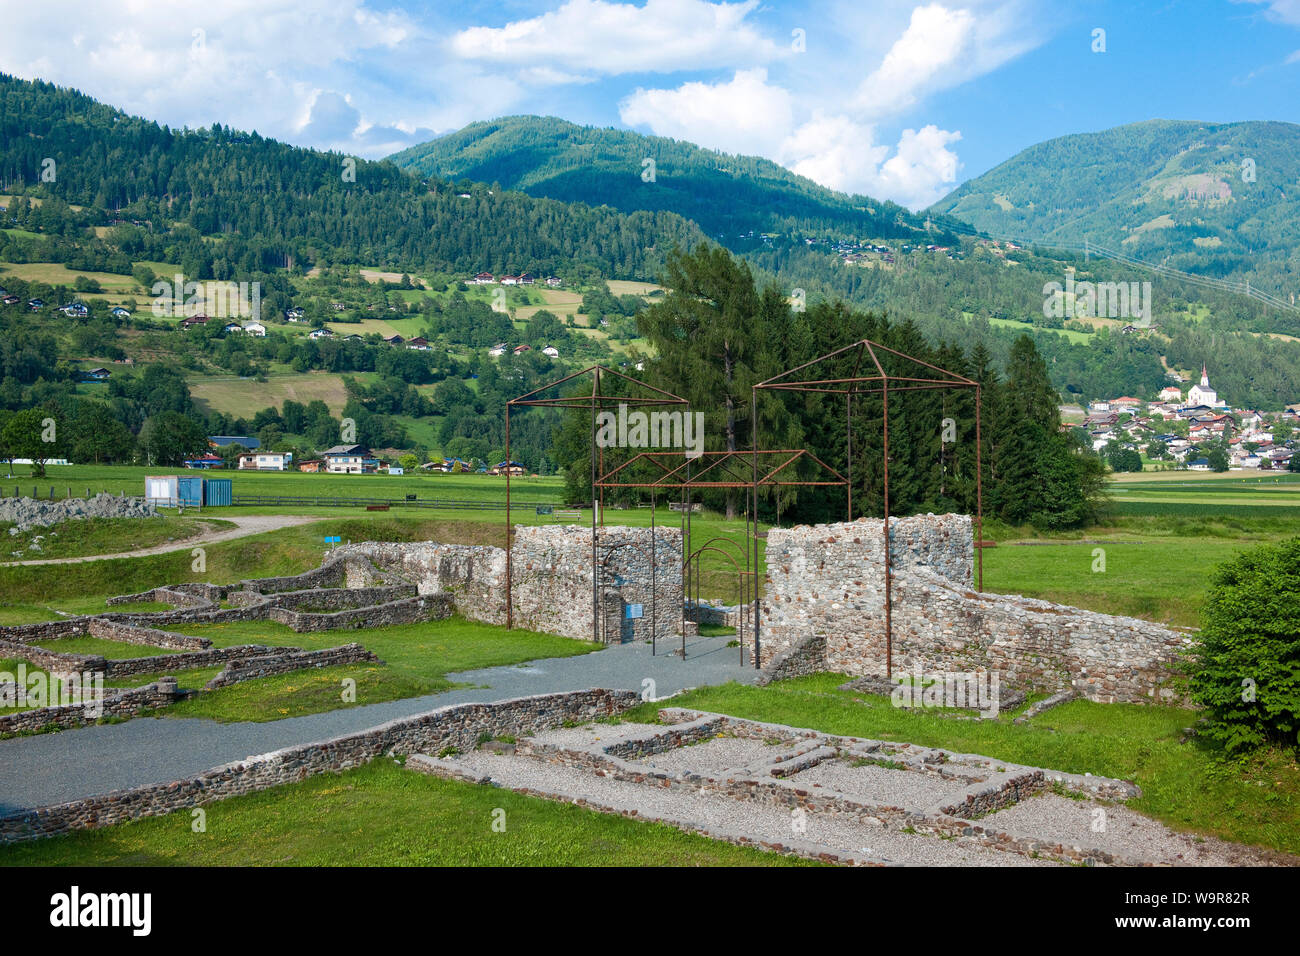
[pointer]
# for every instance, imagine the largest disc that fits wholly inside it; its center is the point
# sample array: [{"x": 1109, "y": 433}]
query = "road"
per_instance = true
[{"x": 244, "y": 526}]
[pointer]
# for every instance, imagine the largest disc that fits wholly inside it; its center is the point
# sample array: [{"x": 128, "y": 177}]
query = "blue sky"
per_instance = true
[{"x": 897, "y": 100}]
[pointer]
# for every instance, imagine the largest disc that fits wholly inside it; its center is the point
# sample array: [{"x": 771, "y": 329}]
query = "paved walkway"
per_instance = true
[
  {"x": 244, "y": 526},
  {"x": 54, "y": 768}
]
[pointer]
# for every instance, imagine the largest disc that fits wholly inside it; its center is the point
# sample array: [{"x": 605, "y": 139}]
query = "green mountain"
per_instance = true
[
  {"x": 225, "y": 202},
  {"x": 729, "y": 196},
  {"x": 1218, "y": 200}
]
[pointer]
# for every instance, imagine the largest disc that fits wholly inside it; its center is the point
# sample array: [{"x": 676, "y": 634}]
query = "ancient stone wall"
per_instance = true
[
  {"x": 411, "y": 610},
  {"x": 149, "y": 636},
  {"x": 127, "y": 667},
  {"x": 826, "y": 584},
  {"x": 551, "y": 576},
  {"x": 282, "y": 662},
  {"x": 458, "y": 726},
  {"x": 123, "y": 703}
]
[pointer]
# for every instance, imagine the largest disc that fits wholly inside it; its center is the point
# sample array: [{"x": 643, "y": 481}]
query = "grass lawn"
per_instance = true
[
  {"x": 113, "y": 650},
  {"x": 1156, "y": 567},
  {"x": 1183, "y": 785},
  {"x": 85, "y": 536},
  {"x": 243, "y": 397},
  {"x": 56, "y": 273},
  {"x": 417, "y": 658},
  {"x": 94, "y": 604},
  {"x": 129, "y": 479},
  {"x": 383, "y": 815}
]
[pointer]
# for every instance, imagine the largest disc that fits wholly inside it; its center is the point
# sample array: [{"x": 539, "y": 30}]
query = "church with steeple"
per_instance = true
[{"x": 1203, "y": 394}]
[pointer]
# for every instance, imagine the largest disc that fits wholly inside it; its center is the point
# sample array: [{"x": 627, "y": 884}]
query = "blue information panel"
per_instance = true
[{"x": 633, "y": 611}]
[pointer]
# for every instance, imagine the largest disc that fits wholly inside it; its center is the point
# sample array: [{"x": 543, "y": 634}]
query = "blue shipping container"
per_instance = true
[
  {"x": 216, "y": 492},
  {"x": 189, "y": 492}
]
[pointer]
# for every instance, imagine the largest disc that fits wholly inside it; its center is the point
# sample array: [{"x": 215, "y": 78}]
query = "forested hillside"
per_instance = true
[
  {"x": 226, "y": 203},
  {"x": 732, "y": 197},
  {"x": 1218, "y": 200}
]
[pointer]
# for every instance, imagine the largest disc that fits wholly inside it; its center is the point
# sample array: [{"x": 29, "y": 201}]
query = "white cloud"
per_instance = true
[
  {"x": 293, "y": 69},
  {"x": 744, "y": 115},
  {"x": 618, "y": 38},
  {"x": 933, "y": 42},
  {"x": 1281, "y": 11},
  {"x": 842, "y": 154}
]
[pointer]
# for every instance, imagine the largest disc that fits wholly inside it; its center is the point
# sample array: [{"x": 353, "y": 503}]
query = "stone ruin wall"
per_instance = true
[
  {"x": 551, "y": 577},
  {"x": 825, "y": 611}
]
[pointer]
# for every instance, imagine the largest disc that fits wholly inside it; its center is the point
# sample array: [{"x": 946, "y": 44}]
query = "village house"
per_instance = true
[
  {"x": 321, "y": 333},
  {"x": 118, "y": 312},
  {"x": 311, "y": 465},
  {"x": 266, "y": 461},
  {"x": 349, "y": 460},
  {"x": 418, "y": 344}
]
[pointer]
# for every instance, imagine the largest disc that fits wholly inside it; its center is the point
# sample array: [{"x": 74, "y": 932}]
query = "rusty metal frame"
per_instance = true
[
  {"x": 722, "y": 469},
  {"x": 859, "y": 384},
  {"x": 596, "y": 400}
]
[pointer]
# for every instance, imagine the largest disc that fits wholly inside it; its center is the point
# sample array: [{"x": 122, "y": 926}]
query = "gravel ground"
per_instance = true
[
  {"x": 881, "y": 785},
  {"x": 712, "y": 756},
  {"x": 1127, "y": 834},
  {"x": 721, "y": 815},
  {"x": 44, "y": 769}
]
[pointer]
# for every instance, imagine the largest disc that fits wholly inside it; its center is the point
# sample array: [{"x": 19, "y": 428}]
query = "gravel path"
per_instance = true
[
  {"x": 1123, "y": 831},
  {"x": 874, "y": 784},
  {"x": 712, "y": 756},
  {"x": 244, "y": 526},
  {"x": 724, "y": 817},
  {"x": 52, "y": 768}
]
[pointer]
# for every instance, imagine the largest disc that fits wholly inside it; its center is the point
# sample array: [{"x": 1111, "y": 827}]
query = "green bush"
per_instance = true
[{"x": 1246, "y": 668}]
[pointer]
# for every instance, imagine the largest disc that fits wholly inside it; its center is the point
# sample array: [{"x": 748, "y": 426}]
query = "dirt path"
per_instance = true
[{"x": 244, "y": 526}]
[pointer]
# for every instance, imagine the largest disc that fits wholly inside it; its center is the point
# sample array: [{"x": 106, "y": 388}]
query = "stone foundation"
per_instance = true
[{"x": 457, "y": 727}]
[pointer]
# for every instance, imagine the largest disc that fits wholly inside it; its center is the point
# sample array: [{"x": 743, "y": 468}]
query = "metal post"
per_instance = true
[
  {"x": 654, "y": 585},
  {"x": 510, "y": 611},
  {"x": 889, "y": 597},
  {"x": 595, "y": 583},
  {"x": 684, "y": 539},
  {"x": 848, "y": 430},
  {"x": 758, "y": 608},
  {"x": 979, "y": 493}
]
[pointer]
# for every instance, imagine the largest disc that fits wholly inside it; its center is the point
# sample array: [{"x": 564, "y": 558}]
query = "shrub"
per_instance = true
[{"x": 1246, "y": 668}]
